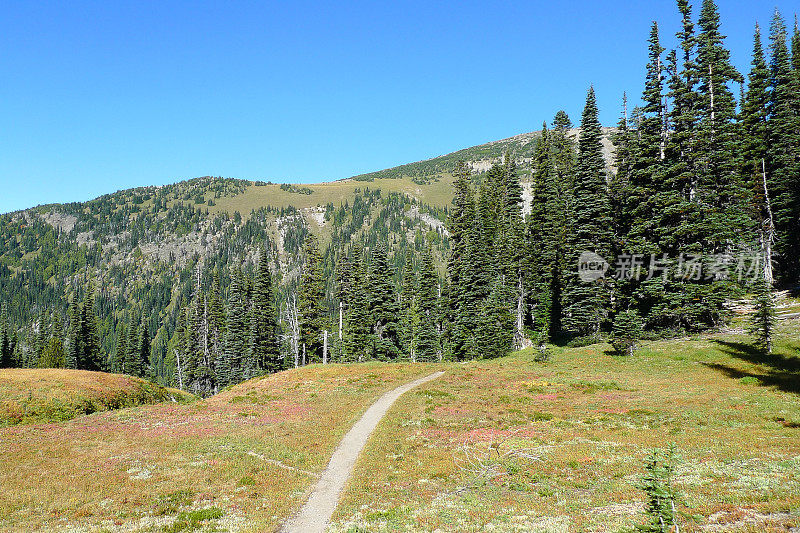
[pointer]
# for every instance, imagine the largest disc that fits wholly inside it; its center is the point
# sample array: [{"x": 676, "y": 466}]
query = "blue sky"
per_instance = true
[{"x": 101, "y": 96}]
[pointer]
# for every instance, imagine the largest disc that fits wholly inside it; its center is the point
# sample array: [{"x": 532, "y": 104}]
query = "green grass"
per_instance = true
[
  {"x": 29, "y": 396},
  {"x": 156, "y": 465},
  {"x": 565, "y": 441},
  {"x": 439, "y": 193},
  {"x": 508, "y": 445}
]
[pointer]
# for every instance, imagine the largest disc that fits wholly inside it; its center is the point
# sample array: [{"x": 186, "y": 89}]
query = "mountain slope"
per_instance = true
[{"x": 140, "y": 248}]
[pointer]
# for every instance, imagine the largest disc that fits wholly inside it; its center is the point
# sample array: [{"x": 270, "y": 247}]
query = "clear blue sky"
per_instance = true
[{"x": 101, "y": 96}]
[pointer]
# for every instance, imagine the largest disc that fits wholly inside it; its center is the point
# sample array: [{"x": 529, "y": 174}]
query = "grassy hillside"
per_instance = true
[
  {"x": 525, "y": 446},
  {"x": 479, "y": 158},
  {"x": 53, "y": 395},
  {"x": 429, "y": 181},
  {"x": 244, "y": 457},
  {"x": 557, "y": 446}
]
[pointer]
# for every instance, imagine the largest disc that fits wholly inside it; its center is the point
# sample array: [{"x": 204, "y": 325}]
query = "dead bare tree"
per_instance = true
[
  {"x": 482, "y": 462},
  {"x": 292, "y": 332}
]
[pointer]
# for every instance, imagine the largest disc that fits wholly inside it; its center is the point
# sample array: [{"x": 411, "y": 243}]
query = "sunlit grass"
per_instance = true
[
  {"x": 589, "y": 418},
  {"x": 251, "y": 452},
  {"x": 563, "y": 443},
  {"x": 54, "y": 395}
]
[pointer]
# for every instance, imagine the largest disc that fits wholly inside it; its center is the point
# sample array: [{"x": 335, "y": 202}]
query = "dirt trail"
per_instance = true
[{"x": 315, "y": 514}]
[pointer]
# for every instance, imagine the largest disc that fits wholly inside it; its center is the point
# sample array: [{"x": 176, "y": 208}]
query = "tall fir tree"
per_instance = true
[
  {"x": 358, "y": 345},
  {"x": 586, "y": 304},
  {"x": 5, "y": 340},
  {"x": 133, "y": 362},
  {"x": 428, "y": 347},
  {"x": 144, "y": 347},
  {"x": 408, "y": 309},
  {"x": 783, "y": 130},
  {"x": 216, "y": 311},
  {"x": 89, "y": 356},
  {"x": 120, "y": 354},
  {"x": 229, "y": 366},
  {"x": 74, "y": 346},
  {"x": 311, "y": 301},
  {"x": 464, "y": 280},
  {"x": 512, "y": 246},
  {"x": 383, "y": 305},
  {"x": 754, "y": 128},
  {"x": 542, "y": 242},
  {"x": 720, "y": 191},
  {"x": 264, "y": 330}
]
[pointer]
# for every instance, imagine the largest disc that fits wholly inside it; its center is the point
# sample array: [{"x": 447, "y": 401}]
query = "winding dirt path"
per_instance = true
[{"x": 315, "y": 514}]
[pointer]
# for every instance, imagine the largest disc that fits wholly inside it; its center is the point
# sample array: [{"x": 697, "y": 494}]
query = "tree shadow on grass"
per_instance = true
[
  {"x": 751, "y": 354},
  {"x": 781, "y": 372}
]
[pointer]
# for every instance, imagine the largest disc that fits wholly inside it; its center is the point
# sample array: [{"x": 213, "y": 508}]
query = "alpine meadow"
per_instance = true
[{"x": 586, "y": 328}]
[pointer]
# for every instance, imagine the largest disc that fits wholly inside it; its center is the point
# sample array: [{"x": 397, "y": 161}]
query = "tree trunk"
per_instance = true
[{"x": 768, "y": 225}]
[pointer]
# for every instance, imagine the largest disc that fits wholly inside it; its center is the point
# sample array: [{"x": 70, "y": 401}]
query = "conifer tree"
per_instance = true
[
  {"x": 762, "y": 321},
  {"x": 755, "y": 141},
  {"x": 719, "y": 188},
  {"x": 796, "y": 47},
  {"x": 661, "y": 495},
  {"x": 216, "y": 311},
  {"x": 53, "y": 355},
  {"x": 619, "y": 185},
  {"x": 464, "y": 280},
  {"x": 383, "y": 305},
  {"x": 89, "y": 356},
  {"x": 784, "y": 152},
  {"x": 626, "y": 332},
  {"x": 428, "y": 347},
  {"x": 646, "y": 166},
  {"x": 358, "y": 343},
  {"x": 120, "y": 355},
  {"x": 311, "y": 301},
  {"x": 229, "y": 366},
  {"x": 133, "y": 363},
  {"x": 180, "y": 349},
  {"x": 408, "y": 308},
  {"x": 495, "y": 332},
  {"x": 564, "y": 154},
  {"x": 143, "y": 347},
  {"x": 344, "y": 294},
  {"x": 6, "y": 350},
  {"x": 586, "y": 303},
  {"x": 544, "y": 235},
  {"x": 74, "y": 347},
  {"x": 264, "y": 334},
  {"x": 512, "y": 246},
  {"x": 42, "y": 338}
]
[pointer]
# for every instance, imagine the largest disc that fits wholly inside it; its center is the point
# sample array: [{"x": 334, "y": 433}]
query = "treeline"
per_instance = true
[
  {"x": 701, "y": 200},
  {"x": 704, "y": 200}
]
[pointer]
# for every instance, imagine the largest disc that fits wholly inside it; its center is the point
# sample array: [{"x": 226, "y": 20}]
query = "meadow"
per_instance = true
[
  {"x": 54, "y": 395},
  {"x": 241, "y": 460},
  {"x": 516, "y": 445},
  {"x": 502, "y": 445}
]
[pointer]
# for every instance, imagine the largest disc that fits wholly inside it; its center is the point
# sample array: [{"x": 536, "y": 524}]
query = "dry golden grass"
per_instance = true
[
  {"x": 562, "y": 444},
  {"x": 250, "y": 453},
  {"x": 561, "y": 447},
  {"x": 438, "y": 193},
  {"x": 53, "y": 395}
]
